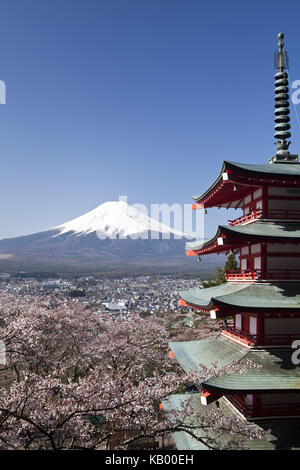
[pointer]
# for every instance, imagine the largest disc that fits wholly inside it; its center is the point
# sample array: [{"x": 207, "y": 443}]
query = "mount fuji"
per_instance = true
[
  {"x": 110, "y": 238},
  {"x": 117, "y": 219}
]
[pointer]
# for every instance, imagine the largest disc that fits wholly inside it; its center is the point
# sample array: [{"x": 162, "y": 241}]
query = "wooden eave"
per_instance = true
[{"x": 235, "y": 183}]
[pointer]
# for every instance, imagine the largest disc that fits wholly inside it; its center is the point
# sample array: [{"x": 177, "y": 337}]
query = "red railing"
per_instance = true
[
  {"x": 246, "y": 218},
  {"x": 241, "y": 336},
  {"x": 241, "y": 275},
  {"x": 272, "y": 339},
  {"x": 272, "y": 214},
  {"x": 244, "y": 275}
]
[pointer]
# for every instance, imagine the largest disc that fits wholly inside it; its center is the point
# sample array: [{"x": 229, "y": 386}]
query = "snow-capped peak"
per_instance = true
[{"x": 116, "y": 219}]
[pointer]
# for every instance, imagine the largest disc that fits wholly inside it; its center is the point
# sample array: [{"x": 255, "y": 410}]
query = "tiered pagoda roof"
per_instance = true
[
  {"x": 274, "y": 370},
  {"x": 228, "y": 237},
  {"x": 243, "y": 295},
  {"x": 235, "y": 179}
]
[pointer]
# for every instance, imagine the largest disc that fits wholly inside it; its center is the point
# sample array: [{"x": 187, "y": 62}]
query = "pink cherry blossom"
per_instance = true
[{"x": 72, "y": 380}]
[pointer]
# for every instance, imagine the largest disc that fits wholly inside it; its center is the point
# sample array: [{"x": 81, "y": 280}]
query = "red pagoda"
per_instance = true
[{"x": 262, "y": 298}]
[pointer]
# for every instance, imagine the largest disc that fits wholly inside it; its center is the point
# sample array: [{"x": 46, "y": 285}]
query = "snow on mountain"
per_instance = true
[
  {"x": 91, "y": 243},
  {"x": 116, "y": 219}
]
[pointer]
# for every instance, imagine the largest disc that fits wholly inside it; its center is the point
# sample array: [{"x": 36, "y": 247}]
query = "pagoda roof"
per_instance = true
[
  {"x": 234, "y": 235},
  {"x": 283, "y": 169},
  {"x": 284, "y": 433},
  {"x": 275, "y": 371},
  {"x": 246, "y": 295},
  {"x": 218, "y": 349},
  {"x": 220, "y": 193}
]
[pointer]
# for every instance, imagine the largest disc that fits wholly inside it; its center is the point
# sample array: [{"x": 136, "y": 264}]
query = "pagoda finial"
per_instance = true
[{"x": 282, "y": 106}]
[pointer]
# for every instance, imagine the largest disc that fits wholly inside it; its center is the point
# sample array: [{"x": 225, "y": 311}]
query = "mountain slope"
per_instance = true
[
  {"x": 112, "y": 237},
  {"x": 116, "y": 219}
]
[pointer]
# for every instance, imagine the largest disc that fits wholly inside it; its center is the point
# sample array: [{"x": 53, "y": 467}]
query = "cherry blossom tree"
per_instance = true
[{"x": 72, "y": 380}]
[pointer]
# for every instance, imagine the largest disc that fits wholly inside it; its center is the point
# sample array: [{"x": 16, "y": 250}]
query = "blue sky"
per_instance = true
[{"x": 143, "y": 98}]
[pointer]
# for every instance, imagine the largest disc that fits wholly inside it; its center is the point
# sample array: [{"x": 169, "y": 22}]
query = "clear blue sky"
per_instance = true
[{"x": 137, "y": 97}]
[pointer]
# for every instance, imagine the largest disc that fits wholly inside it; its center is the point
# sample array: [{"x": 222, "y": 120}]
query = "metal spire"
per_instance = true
[{"x": 282, "y": 106}]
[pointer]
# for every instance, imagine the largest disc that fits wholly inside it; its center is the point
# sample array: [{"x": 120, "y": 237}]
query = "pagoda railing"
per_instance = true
[
  {"x": 246, "y": 218},
  {"x": 269, "y": 274},
  {"x": 241, "y": 336},
  {"x": 287, "y": 214},
  {"x": 241, "y": 275},
  {"x": 272, "y": 339}
]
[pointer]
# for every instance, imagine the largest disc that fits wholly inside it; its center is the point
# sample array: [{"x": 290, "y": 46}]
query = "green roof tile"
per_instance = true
[
  {"x": 280, "y": 231},
  {"x": 284, "y": 169},
  {"x": 218, "y": 350},
  {"x": 246, "y": 295},
  {"x": 275, "y": 372},
  {"x": 290, "y": 170}
]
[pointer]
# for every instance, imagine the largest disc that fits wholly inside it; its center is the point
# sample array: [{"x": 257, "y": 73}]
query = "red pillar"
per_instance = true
[{"x": 263, "y": 260}]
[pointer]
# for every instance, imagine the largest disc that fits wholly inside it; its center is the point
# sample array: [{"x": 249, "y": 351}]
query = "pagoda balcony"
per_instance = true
[
  {"x": 268, "y": 275},
  {"x": 244, "y": 219},
  {"x": 271, "y": 214},
  {"x": 241, "y": 275},
  {"x": 274, "y": 339},
  {"x": 240, "y": 336}
]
